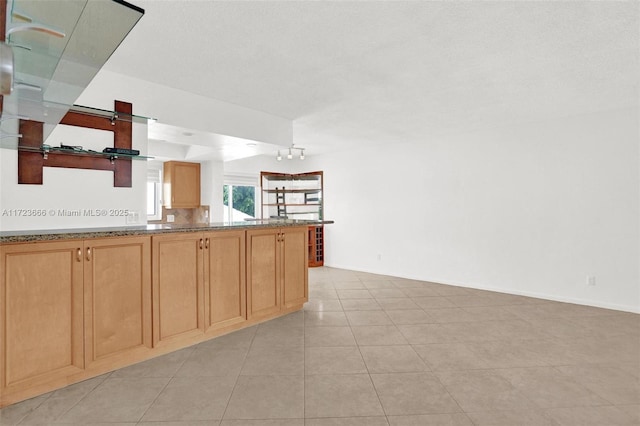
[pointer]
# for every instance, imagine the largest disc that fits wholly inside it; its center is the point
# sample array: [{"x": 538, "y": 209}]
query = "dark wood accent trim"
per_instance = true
[
  {"x": 3, "y": 32},
  {"x": 79, "y": 119},
  {"x": 122, "y": 138},
  {"x": 30, "y": 164},
  {"x": 71, "y": 162}
]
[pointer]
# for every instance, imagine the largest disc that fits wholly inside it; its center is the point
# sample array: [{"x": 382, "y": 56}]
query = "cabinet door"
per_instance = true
[
  {"x": 225, "y": 284},
  {"x": 178, "y": 278},
  {"x": 40, "y": 313},
  {"x": 294, "y": 266},
  {"x": 117, "y": 292},
  {"x": 263, "y": 272},
  {"x": 182, "y": 184}
]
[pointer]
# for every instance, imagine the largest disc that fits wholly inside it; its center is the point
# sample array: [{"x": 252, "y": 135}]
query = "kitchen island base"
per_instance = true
[{"x": 73, "y": 309}]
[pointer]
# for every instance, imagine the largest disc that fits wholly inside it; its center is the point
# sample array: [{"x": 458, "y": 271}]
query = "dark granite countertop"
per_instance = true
[{"x": 121, "y": 231}]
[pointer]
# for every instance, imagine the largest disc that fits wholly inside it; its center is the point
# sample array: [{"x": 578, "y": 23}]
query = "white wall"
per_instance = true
[
  {"x": 73, "y": 189},
  {"x": 188, "y": 110},
  {"x": 211, "y": 182},
  {"x": 528, "y": 210},
  {"x": 261, "y": 163},
  {"x": 88, "y": 189}
]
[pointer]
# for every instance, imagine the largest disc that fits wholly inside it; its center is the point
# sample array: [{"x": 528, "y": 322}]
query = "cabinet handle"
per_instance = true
[
  {"x": 89, "y": 253},
  {"x": 200, "y": 243},
  {"x": 206, "y": 243},
  {"x": 79, "y": 255}
]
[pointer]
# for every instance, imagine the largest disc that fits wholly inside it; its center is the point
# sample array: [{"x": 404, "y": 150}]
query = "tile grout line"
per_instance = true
[
  {"x": 28, "y": 413},
  {"x": 107, "y": 375},
  {"x": 244, "y": 361},
  {"x": 163, "y": 388},
  {"x": 386, "y": 416}
]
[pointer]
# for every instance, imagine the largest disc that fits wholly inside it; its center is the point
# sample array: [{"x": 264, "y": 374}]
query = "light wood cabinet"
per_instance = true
[
  {"x": 40, "y": 313},
  {"x": 178, "y": 286},
  {"x": 74, "y": 309},
  {"x": 263, "y": 272},
  {"x": 276, "y": 270},
  {"x": 294, "y": 267},
  {"x": 198, "y": 283},
  {"x": 296, "y": 196},
  {"x": 225, "y": 279},
  {"x": 181, "y": 184},
  {"x": 72, "y": 305},
  {"x": 117, "y": 298}
]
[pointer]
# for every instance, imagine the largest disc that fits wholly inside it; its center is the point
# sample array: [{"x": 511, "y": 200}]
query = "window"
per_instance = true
[
  {"x": 240, "y": 198},
  {"x": 154, "y": 194}
]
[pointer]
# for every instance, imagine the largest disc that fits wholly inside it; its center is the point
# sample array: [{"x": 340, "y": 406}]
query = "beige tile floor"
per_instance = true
[{"x": 373, "y": 350}]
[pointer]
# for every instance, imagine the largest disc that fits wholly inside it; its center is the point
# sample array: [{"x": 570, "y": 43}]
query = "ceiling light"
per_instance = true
[{"x": 291, "y": 149}]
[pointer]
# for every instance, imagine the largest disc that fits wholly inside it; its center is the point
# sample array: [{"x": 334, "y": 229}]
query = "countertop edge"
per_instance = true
[{"x": 10, "y": 237}]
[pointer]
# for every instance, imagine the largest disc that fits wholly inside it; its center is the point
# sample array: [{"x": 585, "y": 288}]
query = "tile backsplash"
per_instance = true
[{"x": 185, "y": 216}]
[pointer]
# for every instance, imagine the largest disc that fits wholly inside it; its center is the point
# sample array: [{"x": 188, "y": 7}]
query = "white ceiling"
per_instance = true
[{"x": 369, "y": 73}]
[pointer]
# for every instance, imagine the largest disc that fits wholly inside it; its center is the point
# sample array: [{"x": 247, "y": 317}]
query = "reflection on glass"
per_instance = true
[{"x": 52, "y": 71}]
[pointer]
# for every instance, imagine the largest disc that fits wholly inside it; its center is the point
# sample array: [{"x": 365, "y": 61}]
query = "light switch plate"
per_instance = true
[{"x": 132, "y": 218}]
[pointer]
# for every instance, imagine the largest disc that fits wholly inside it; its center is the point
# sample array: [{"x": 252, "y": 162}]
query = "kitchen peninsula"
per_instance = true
[{"x": 78, "y": 303}]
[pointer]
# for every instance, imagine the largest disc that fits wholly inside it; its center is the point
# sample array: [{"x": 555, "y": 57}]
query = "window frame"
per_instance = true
[
  {"x": 232, "y": 180},
  {"x": 154, "y": 176}
]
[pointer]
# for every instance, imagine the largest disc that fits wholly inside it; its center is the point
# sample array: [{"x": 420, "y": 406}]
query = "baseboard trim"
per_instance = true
[{"x": 477, "y": 286}]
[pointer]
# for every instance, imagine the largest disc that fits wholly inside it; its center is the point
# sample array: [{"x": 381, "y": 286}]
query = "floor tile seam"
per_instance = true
[
  {"x": 166, "y": 385},
  {"x": 450, "y": 395},
  {"x": 235, "y": 384},
  {"x": 373, "y": 384},
  {"x": 25, "y": 415},
  {"x": 436, "y": 378},
  {"x": 524, "y": 395},
  {"x": 107, "y": 375},
  {"x": 588, "y": 387}
]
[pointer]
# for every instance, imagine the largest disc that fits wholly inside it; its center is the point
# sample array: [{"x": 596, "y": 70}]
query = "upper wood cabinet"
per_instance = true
[
  {"x": 181, "y": 184},
  {"x": 40, "y": 313}
]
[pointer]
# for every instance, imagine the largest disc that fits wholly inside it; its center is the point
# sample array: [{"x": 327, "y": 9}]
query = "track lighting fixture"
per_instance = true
[{"x": 290, "y": 153}]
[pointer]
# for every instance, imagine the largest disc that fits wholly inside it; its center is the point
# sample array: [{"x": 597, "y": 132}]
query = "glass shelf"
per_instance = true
[
  {"x": 9, "y": 140},
  {"x": 115, "y": 116},
  {"x": 55, "y": 62},
  {"x": 45, "y": 150}
]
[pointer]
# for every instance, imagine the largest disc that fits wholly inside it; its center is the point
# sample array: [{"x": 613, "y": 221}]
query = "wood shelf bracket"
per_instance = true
[{"x": 30, "y": 164}]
